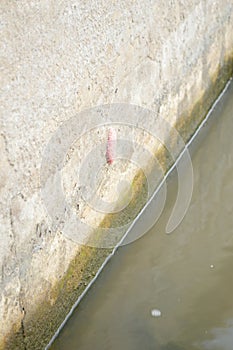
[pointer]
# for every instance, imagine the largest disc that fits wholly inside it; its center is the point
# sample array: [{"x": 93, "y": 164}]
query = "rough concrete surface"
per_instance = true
[{"x": 57, "y": 59}]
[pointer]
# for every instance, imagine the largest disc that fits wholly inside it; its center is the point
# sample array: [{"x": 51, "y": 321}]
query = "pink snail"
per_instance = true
[{"x": 111, "y": 143}]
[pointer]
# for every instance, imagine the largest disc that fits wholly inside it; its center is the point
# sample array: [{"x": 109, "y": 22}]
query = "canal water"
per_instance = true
[{"x": 171, "y": 292}]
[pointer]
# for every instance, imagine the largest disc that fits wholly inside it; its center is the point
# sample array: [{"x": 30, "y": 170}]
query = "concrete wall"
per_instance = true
[{"x": 59, "y": 58}]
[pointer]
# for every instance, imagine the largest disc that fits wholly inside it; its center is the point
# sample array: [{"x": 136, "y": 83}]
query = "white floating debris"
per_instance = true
[
  {"x": 211, "y": 266},
  {"x": 156, "y": 313}
]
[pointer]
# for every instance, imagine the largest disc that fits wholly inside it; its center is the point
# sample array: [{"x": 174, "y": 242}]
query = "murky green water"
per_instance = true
[{"x": 187, "y": 275}]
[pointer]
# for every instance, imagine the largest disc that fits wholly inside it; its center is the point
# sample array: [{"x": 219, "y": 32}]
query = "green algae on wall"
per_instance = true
[
  {"x": 189, "y": 121},
  {"x": 46, "y": 318}
]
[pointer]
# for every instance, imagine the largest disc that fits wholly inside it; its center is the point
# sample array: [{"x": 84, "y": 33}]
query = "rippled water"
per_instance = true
[{"x": 185, "y": 278}]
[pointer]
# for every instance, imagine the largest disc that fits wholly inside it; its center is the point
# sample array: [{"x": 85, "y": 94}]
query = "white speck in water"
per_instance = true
[
  {"x": 156, "y": 313},
  {"x": 211, "y": 266}
]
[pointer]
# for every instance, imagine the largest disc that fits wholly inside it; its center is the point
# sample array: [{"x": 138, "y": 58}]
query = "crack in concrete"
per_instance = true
[
  {"x": 21, "y": 305},
  {"x": 23, "y": 326},
  {"x": 7, "y": 149},
  {"x": 13, "y": 248}
]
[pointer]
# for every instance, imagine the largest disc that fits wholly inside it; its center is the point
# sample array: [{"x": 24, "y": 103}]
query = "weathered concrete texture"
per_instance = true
[{"x": 59, "y": 57}]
